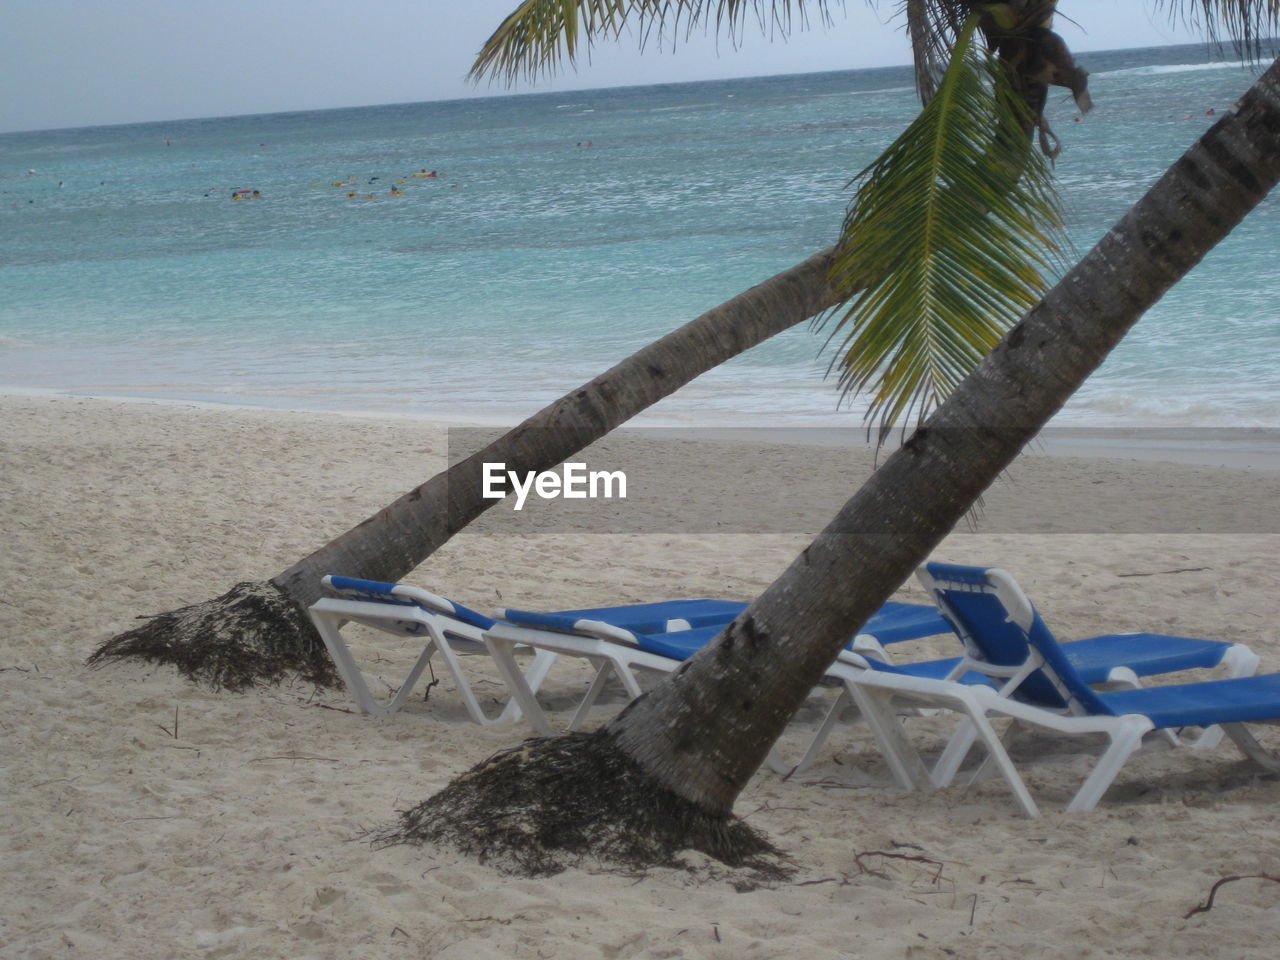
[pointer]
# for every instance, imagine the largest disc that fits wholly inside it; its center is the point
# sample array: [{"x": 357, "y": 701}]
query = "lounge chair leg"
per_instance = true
[
  {"x": 990, "y": 761},
  {"x": 629, "y": 680},
  {"x": 953, "y": 755},
  {"x": 542, "y": 663},
  {"x": 1240, "y": 661},
  {"x": 998, "y": 757},
  {"x": 469, "y": 699},
  {"x": 824, "y": 730},
  {"x": 603, "y": 668},
  {"x": 410, "y": 681},
  {"x": 1250, "y": 747},
  {"x": 504, "y": 658},
  {"x": 899, "y": 752},
  {"x": 1124, "y": 741},
  {"x": 773, "y": 760},
  {"x": 329, "y": 628}
]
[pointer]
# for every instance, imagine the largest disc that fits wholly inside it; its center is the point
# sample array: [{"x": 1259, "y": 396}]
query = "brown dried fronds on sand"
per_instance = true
[
  {"x": 251, "y": 634},
  {"x": 576, "y": 800}
]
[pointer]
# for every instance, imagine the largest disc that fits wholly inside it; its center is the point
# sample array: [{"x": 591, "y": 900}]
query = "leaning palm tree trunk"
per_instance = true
[
  {"x": 676, "y": 759},
  {"x": 259, "y": 631}
]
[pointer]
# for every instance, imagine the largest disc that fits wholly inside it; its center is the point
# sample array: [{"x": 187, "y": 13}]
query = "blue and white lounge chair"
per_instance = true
[
  {"x": 1098, "y": 661},
  {"x": 617, "y": 651},
  {"x": 636, "y": 635},
  {"x": 451, "y": 629},
  {"x": 1002, "y": 649},
  {"x": 621, "y": 640},
  {"x": 876, "y": 687},
  {"x": 656, "y": 638},
  {"x": 1042, "y": 684},
  {"x": 618, "y": 640},
  {"x": 1000, "y": 660}
]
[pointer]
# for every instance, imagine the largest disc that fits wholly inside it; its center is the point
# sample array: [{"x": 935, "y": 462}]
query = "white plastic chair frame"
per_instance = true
[
  {"x": 612, "y": 653},
  {"x": 445, "y": 635},
  {"x": 617, "y": 656},
  {"x": 1124, "y": 733}
]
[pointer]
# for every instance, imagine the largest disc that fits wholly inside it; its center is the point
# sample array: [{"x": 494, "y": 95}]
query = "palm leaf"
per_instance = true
[
  {"x": 946, "y": 244},
  {"x": 1246, "y": 22},
  {"x": 539, "y": 34}
]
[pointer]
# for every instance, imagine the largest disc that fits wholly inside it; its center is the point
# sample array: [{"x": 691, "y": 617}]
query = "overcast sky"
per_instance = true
[{"x": 70, "y": 63}]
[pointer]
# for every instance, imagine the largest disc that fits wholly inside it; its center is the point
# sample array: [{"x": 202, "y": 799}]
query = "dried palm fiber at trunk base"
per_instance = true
[
  {"x": 552, "y": 803},
  {"x": 251, "y": 634}
]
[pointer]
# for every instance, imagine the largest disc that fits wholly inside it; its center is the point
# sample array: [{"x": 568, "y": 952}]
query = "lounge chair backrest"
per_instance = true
[
  {"x": 999, "y": 626},
  {"x": 377, "y": 590},
  {"x": 1057, "y": 666}
]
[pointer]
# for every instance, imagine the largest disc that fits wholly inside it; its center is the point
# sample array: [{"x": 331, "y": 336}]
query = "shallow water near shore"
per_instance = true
[{"x": 560, "y": 233}]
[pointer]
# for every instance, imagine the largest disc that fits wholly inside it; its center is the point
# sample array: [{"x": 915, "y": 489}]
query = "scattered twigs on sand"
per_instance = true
[
  {"x": 174, "y": 732},
  {"x": 857, "y": 858},
  {"x": 1158, "y": 573},
  {"x": 325, "y": 706},
  {"x": 1213, "y": 891}
]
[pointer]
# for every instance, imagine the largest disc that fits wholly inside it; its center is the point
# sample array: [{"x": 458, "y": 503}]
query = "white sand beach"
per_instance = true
[{"x": 149, "y": 818}]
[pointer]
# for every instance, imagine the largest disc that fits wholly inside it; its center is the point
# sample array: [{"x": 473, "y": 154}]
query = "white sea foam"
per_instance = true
[
  {"x": 870, "y": 93},
  {"x": 1155, "y": 70}
]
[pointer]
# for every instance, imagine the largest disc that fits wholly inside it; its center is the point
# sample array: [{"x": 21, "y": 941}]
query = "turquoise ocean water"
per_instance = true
[{"x": 563, "y": 231}]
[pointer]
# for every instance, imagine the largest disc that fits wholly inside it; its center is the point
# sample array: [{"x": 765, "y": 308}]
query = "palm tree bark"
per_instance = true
[
  {"x": 399, "y": 537},
  {"x": 259, "y": 631},
  {"x": 693, "y": 742}
]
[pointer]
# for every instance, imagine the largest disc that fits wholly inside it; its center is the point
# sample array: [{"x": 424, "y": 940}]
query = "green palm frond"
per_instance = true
[
  {"x": 539, "y": 34},
  {"x": 947, "y": 242}
]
